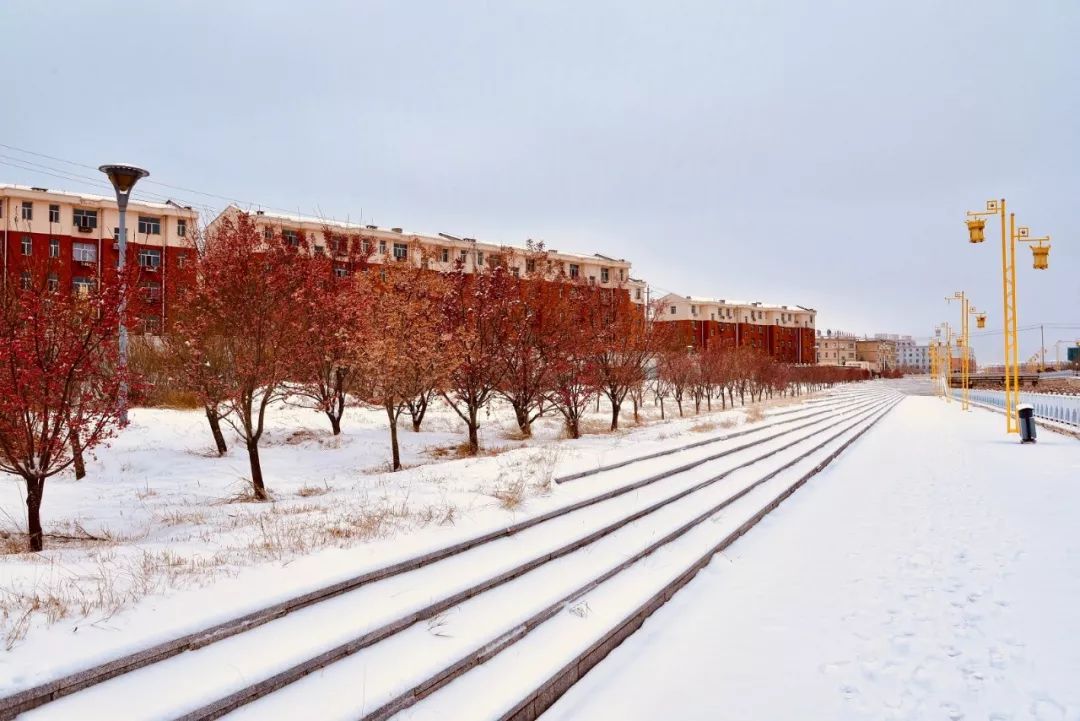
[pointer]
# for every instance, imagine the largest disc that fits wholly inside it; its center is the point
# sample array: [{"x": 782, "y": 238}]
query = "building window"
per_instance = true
[
  {"x": 480, "y": 259},
  {"x": 401, "y": 251},
  {"x": 320, "y": 250},
  {"x": 151, "y": 290},
  {"x": 622, "y": 275},
  {"x": 151, "y": 325},
  {"x": 24, "y": 280},
  {"x": 181, "y": 260},
  {"x": 149, "y": 225},
  {"x": 341, "y": 271},
  {"x": 54, "y": 213},
  {"x": 290, "y": 238},
  {"x": 637, "y": 293},
  {"x": 150, "y": 258},
  {"x": 444, "y": 255},
  {"x": 464, "y": 255},
  {"x": 181, "y": 227},
  {"x": 27, "y": 245},
  {"x": 382, "y": 247},
  {"x": 530, "y": 265},
  {"x": 84, "y": 220},
  {"x": 84, "y": 252},
  {"x": 54, "y": 247},
  {"x": 268, "y": 233},
  {"x": 27, "y": 210},
  {"x": 82, "y": 286},
  {"x": 575, "y": 270},
  {"x": 604, "y": 275},
  {"x": 672, "y": 310},
  {"x": 53, "y": 282}
]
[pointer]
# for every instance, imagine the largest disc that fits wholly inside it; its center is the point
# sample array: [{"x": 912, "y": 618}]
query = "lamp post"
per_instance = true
[
  {"x": 1040, "y": 253},
  {"x": 123, "y": 179},
  {"x": 964, "y": 343},
  {"x": 944, "y": 364}
]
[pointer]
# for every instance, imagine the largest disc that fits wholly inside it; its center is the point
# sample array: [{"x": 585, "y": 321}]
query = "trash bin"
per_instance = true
[{"x": 1026, "y": 411}]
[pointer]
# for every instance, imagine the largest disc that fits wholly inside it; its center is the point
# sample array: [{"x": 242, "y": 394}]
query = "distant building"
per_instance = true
[
  {"x": 443, "y": 252},
  {"x": 785, "y": 332},
  {"x": 910, "y": 355},
  {"x": 70, "y": 242},
  {"x": 836, "y": 349},
  {"x": 880, "y": 353}
]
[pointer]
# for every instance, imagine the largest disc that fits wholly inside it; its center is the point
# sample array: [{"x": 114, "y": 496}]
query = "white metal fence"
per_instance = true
[{"x": 1048, "y": 406}]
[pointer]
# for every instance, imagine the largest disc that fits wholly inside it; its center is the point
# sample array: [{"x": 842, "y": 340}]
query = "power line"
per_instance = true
[{"x": 211, "y": 210}]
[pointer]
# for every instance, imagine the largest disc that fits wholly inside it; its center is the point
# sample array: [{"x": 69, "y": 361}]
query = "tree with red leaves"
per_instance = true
[
  {"x": 678, "y": 368},
  {"x": 325, "y": 370},
  {"x": 625, "y": 341},
  {"x": 574, "y": 380},
  {"x": 60, "y": 382},
  {"x": 471, "y": 310},
  {"x": 248, "y": 304},
  {"x": 527, "y": 332},
  {"x": 403, "y": 340}
]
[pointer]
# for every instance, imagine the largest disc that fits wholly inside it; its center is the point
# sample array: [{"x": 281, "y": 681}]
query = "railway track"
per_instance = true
[{"x": 459, "y": 612}]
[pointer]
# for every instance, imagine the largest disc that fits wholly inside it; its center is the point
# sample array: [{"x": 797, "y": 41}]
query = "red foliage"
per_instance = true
[
  {"x": 61, "y": 382},
  {"x": 246, "y": 322},
  {"x": 402, "y": 340},
  {"x": 326, "y": 368}
]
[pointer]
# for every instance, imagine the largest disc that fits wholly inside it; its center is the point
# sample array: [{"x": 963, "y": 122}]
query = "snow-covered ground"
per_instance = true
[
  {"x": 155, "y": 543},
  {"x": 932, "y": 572}
]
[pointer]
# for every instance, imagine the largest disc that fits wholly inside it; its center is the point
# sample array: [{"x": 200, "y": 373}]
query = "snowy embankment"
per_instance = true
[
  {"x": 134, "y": 546},
  {"x": 932, "y": 572}
]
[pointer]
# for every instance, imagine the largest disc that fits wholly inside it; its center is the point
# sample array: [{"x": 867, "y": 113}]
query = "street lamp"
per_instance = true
[
  {"x": 966, "y": 311},
  {"x": 123, "y": 179},
  {"x": 1040, "y": 252}
]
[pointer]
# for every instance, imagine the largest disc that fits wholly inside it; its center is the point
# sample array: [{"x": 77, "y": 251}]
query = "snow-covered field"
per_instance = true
[
  {"x": 155, "y": 542},
  {"x": 932, "y": 572}
]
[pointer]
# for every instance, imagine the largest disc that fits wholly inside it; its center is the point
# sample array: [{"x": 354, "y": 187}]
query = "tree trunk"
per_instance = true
[
  {"x": 615, "y": 407},
  {"x": 661, "y": 409},
  {"x": 215, "y": 428},
  {"x": 633, "y": 400},
  {"x": 474, "y": 433},
  {"x": 256, "y": 471},
  {"x": 35, "y": 487},
  {"x": 77, "y": 454},
  {"x": 521, "y": 415},
  {"x": 573, "y": 427},
  {"x": 335, "y": 422},
  {"x": 395, "y": 451},
  {"x": 417, "y": 408}
]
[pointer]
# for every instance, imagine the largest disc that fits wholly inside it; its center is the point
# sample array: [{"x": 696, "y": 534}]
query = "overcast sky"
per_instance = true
[{"x": 809, "y": 152}]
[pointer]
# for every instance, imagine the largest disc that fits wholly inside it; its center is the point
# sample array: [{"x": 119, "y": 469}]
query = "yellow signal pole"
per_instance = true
[{"x": 1009, "y": 235}]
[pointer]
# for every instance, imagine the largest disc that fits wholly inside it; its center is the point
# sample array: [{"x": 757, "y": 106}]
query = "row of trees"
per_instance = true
[{"x": 270, "y": 318}]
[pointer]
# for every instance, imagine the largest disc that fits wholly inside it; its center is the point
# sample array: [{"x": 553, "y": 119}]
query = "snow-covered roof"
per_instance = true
[
  {"x": 89, "y": 198},
  {"x": 434, "y": 237},
  {"x": 703, "y": 300}
]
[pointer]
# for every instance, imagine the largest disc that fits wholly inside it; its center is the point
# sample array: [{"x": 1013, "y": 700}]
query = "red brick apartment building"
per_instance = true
[
  {"x": 784, "y": 332},
  {"x": 69, "y": 240}
]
